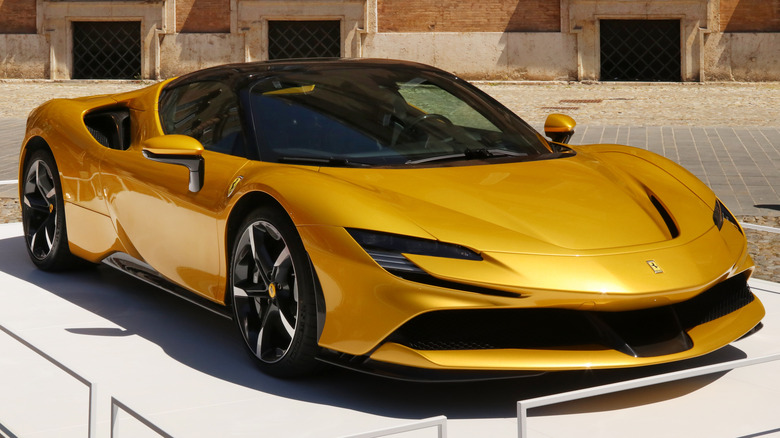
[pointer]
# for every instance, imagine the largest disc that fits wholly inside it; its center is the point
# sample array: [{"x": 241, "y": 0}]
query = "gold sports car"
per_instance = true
[{"x": 387, "y": 217}]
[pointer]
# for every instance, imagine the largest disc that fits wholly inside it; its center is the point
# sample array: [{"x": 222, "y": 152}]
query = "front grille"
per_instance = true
[
  {"x": 641, "y": 333},
  {"x": 729, "y": 296},
  {"x": 450, "y": 345}
]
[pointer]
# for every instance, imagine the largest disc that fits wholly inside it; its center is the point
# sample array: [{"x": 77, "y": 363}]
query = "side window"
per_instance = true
[{"x": 206, "y": 111}]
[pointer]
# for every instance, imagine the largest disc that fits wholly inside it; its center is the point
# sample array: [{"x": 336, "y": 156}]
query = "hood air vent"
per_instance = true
[{"x": 670, "y": 225}]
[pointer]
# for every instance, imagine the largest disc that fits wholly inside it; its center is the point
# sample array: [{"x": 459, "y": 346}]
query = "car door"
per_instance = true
[{"x": 165, "y": 210}]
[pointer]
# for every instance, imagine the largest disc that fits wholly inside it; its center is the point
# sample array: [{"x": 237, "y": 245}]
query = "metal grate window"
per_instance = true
[
  {"x": 640, "y": 50},
  {"x": 107, "y": 50},
  {"x": 304, "y": 39}
]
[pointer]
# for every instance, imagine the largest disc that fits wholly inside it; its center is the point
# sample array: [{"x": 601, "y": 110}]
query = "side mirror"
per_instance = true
[
  {"x": 559, "y": 128},
  {"x": 181, "y": 150}
]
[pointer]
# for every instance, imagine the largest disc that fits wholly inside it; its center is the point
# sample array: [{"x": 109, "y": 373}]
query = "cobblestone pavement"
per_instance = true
[
  {"x": 606, "y": 104},
  {"x": 764, "y": 247},
  {"x": 19, "y": 97},
  {"x": 728, "y": 135},
  {"x": 625, "y": 104},
  {"x": 10, "y": 211}
]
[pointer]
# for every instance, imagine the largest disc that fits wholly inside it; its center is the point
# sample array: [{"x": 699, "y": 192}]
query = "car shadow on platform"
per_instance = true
[{"x": 209, "y": 343}]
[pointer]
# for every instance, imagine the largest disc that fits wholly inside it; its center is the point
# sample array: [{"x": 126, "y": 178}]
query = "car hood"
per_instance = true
[{"x": 574, "y": 205}]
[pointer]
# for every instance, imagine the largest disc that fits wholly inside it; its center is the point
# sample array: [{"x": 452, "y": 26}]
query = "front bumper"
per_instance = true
[{"x": 370, "y": 313}]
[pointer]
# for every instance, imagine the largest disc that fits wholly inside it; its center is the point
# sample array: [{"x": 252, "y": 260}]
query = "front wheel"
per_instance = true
[
  {"x": 43, "y": 214},
  {"x": 272, "y": 294}
]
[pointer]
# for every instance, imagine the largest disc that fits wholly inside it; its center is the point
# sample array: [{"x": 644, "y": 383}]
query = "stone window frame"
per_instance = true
[
  {"x": 684, "y": 64},
  {"x": 103, "y": 19},
  {"x": 264, "y": 30}
]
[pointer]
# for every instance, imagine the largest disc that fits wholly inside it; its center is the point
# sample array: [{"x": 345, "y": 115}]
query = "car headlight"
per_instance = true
[
  {"x": 721, "y": 214},
  {"x": 388, "y": 249}
]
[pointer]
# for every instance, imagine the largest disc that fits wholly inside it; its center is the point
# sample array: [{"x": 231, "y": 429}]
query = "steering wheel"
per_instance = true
[{"x": 426, "y": 117}]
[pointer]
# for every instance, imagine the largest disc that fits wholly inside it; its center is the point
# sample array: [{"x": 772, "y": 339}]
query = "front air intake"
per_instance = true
[{"x": 640, "y": 333}]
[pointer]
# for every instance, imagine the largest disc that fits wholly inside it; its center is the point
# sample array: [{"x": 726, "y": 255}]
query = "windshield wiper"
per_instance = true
[
  {"x": 470, "y": 154},
  {"x": 329, "y": 161}
]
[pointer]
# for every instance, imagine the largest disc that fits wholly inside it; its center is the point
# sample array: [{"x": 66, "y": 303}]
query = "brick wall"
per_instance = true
[
  {"x": 202, "y": 16},
  {"x": 469, "y": 16},
  {"x": 17, "y": 16},
  {"x": 750, "y": 15}
]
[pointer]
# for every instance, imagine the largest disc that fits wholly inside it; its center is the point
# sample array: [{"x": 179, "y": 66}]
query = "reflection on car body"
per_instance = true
[{"x": 388, "y": 217}]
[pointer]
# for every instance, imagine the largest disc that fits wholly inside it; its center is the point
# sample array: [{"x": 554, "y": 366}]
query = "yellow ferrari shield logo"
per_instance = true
[
  {"x": 654, "y": 266},
  {"x": 272, "y": 290},
  {"x": 233, "y": 185}
]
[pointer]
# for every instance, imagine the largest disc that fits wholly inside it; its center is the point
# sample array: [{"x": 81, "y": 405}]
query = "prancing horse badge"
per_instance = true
[
  {"x": 654, "y": 266},
  {"x": 233, "y": 186}
]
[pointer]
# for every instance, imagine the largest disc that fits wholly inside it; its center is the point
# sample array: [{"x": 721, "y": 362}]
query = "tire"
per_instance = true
[
  {"x": 271, "y": 290},
  {"x": 43, "y": 214}
]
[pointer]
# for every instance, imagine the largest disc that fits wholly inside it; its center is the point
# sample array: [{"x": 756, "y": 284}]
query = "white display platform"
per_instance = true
[{"x": 184, "y": 370}]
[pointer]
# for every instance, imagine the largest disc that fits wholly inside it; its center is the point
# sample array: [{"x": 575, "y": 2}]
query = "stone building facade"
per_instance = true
[{"x": 700, "y": 40}]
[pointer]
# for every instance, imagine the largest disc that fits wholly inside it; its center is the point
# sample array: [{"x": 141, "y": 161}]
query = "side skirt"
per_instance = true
[{"x": 142, "y": 271}]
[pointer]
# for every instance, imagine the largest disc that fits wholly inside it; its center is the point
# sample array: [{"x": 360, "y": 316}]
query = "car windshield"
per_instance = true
[{"x": 384, "y": 117}]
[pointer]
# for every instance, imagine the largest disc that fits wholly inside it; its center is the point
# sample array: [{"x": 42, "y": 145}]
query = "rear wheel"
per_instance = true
[
  {"x": 43, "y": 214},
  {"x": 272, "y": 294}
]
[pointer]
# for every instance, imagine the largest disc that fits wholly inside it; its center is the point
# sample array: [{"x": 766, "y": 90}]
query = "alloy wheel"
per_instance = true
[
  {"x": 40, "y": 210},
  {"x": 265, "y": 291}
]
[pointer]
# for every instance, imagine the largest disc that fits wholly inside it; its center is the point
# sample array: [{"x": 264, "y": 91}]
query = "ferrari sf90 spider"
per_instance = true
[{"x": 388, "y": 217}]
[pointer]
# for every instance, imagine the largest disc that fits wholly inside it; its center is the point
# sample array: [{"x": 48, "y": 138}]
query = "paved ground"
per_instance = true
[{"x": 11, "y": 134}]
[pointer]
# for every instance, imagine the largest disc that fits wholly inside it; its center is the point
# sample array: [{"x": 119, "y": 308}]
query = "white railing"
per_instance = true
[
  {"x": 439, "y": 422},
  {"x": 524, "y": 405},
  {"x": 93, "y": 392},
  {"x": 92, "y": 432},
  {"x": 5, "y": 433},
  {"x": 116, "y": 405}
]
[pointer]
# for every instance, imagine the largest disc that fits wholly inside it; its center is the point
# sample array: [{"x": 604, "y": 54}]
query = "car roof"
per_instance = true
[{"x": 240, "y": 72}]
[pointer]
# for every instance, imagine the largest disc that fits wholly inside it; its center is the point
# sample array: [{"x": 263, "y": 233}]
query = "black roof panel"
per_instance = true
[{"x": 239, "y": 72}]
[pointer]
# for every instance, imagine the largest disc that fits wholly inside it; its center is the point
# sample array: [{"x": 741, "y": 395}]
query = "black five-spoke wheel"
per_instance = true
[
  {"x": 272, "y": 291},
  {"x": 43, "y": 216}
]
